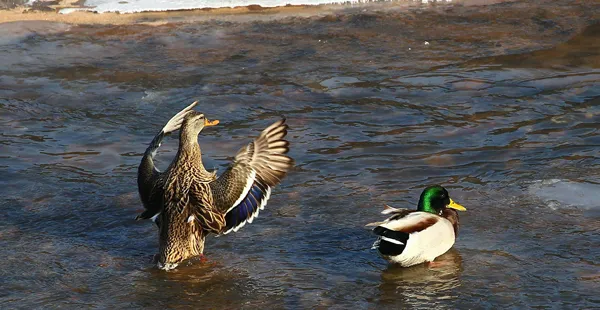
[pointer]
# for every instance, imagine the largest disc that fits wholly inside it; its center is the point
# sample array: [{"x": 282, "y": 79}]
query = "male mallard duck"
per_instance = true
[
  {"x": 187, "y": 202},
  {"x": 411, "y": 237}
]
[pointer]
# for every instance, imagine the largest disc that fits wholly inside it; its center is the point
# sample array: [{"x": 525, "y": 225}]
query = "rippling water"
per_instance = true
[{"x": 508, "y": 121}]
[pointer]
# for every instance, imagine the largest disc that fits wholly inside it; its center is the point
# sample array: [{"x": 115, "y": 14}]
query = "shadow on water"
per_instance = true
[
  {"x": 205, "y": 284},
  {"x": 583, "y": 50},
  {"x": 512, "y": 130}
]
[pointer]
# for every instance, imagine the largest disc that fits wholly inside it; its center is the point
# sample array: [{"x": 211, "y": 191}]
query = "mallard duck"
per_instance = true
[
  {"x": 411, "y": 237},
  {"x": 187, "y": 202}
]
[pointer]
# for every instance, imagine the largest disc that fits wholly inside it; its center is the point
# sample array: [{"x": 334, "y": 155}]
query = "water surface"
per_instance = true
[{"x": 508, "y": 121}]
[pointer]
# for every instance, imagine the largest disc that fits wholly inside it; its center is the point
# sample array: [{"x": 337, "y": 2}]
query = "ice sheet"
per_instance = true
[{"x": 565, "y": 193}]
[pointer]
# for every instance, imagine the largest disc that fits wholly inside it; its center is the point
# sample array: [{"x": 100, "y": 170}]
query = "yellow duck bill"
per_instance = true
[{"x": 456, "y": 206}]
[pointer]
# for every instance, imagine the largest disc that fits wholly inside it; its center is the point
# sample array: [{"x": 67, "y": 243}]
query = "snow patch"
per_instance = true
[{"x": 134, "y": 6}]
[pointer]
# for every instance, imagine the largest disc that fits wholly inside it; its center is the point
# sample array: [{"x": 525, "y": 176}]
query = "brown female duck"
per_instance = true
[{"x": 187, "y": 202}]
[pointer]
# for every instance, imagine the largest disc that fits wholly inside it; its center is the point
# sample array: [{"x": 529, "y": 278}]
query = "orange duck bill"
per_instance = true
[{"x": 210, "y": 123}]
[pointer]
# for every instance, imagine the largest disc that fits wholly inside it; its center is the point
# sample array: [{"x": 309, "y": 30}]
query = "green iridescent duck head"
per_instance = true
[{"x": 434, "y": 199}]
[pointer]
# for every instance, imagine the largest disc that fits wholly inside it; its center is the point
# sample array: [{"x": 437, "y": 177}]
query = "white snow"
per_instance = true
[{"x": 133, "y": 6}]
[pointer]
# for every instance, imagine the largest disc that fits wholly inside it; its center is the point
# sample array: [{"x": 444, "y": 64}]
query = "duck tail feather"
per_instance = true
[
  {"x": 390, "y": 210},
  {"x": 374, "y": 224}
]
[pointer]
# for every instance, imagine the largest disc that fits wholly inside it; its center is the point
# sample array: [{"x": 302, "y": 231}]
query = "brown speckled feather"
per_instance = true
[
  {"x": 189, "y": 202},
  {"x": 265, "y": 156},
  {"x": 256, "y": 169},
  {"x": 150, "y": 180},
  {"x": 452, "y": 216}
]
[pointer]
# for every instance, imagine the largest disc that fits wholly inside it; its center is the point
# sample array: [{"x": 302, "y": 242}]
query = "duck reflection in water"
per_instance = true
[{"x": 424, "y": 282}]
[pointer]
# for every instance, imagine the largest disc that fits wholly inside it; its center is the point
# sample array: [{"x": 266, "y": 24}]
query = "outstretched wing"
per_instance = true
[
  {"x": 150, "y": 179},
  {"x": 244, "y": 189}
]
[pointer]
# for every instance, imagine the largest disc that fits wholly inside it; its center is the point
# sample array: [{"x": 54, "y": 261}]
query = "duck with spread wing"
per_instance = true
[{"x": 187, "y": 202}]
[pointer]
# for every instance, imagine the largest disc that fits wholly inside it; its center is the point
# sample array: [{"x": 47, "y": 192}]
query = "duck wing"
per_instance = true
[
  {"x": 418, "y": 236},
  {"x": 415, "y": 221},
  {"x": 395, "y": 212},
  {"x": 245, "y": 187},
  {"x": 150, "y": 179}
]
